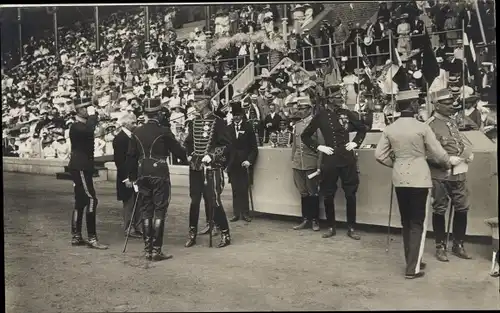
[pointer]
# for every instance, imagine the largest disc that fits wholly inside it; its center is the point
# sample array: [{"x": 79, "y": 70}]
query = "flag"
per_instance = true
[
  {"x": 470, "y": 58},
  {"x": 430, "y": 67}
]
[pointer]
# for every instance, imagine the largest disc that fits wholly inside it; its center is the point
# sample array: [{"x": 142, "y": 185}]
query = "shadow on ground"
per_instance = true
[{"x": 268, "y": 267}]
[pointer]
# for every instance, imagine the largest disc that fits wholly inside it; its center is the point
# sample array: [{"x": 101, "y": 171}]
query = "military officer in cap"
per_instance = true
[
  {"x": 207, "y": 144},
  {"x": 147, "y": 162},
  {"x": 305, "y": 162},
  {"x": 404, "y": 146},
  {"x": 243, "y": 153},
  {"x": 81, "y": 167},
  {"x": 339, "y": 159},
  {"x": 449, "y": 185}
]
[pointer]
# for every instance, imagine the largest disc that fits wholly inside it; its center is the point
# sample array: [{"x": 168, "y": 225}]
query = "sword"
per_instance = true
[
  {"x": 130, "y": 224},
  {"x": 210, "y": 186},
  {"x": 450, "y": 217},
  {"x": 389, "y": 224}
]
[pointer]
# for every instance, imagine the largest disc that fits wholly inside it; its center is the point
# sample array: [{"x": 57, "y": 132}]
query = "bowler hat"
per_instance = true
[{"x": 152, "y": 105}]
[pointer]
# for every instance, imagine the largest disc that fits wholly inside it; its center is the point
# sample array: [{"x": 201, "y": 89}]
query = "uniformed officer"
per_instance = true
[
  {"x": 339, "y": 159},
  {"x": 243, "y": 153},
  {"x": 449, "y": 185},
  {"x": 207, "y": 144},
  {"x": 306, "y": 162},
  {"x": 147, "y": 162},
  {"x": 81, "y": 167},
  {"x": 404, "y": 146}
]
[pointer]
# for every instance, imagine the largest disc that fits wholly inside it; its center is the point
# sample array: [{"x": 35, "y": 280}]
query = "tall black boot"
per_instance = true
[
  {"x": 91, "y": 230},
  {"x": 148, "y": 234},
  {"x": 314, "y": 212},
  {"x": 159, "y": 227},
  {"x": 438, "y": 225},
  {"x": 76, "y": 228},
  {"x": 304, "y": 203},
  {"x": 459, "y": 229},
  {"x": 330, "y": 217},
  {"x": 225, "y": 239},
  {"x": 191, "y": 237}
]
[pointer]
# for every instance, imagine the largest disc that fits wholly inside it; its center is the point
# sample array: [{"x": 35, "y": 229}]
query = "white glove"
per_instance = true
[
  {"x": 128, "y": 183},
  {"x": 91, "y": 110},
  {"x": 471, "y": 158},
  {"x": 454, "y": 160},
  {"x": 136, "y": 188},
  {"x": 350, "y": 145},
  {"x": 325, "y": 149},
  {"x": 206, "y": 159},
  {"x": 245, "y": 164},
  {"x": 189, "y": 158}
]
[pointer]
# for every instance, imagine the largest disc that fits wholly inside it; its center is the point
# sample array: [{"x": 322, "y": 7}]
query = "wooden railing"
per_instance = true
[{"x": 240, "y": 82}]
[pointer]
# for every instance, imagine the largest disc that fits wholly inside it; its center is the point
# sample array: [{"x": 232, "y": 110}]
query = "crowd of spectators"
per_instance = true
[{"x": 37, "y": 95}]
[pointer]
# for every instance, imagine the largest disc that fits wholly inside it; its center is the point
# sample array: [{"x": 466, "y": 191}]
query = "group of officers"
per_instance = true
[{"x": 424, "y": 157}]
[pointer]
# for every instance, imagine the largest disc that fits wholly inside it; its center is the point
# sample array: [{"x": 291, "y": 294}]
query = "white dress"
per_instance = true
[{"x": 351, "y": 97}]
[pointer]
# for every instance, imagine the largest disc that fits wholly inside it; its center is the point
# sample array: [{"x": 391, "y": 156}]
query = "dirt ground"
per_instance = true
[{"x": 268, "y": 267}]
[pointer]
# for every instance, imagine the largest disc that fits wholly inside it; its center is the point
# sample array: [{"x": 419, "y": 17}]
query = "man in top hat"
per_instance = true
[
  {"x": 81, "y": 167},
  {"x": 448, "y": 185},
  {"x": 254, "y": 116},
  {"x": 206, "y": 145},
  {"x": 339, "y": 159},
  {"x": 147, "y": 163},
  {"x": 125, "y": 192},
  {"x": 243, "y": 153},
  {"x": 404, "y": 146},
  {"x": 305, "y": 162}
]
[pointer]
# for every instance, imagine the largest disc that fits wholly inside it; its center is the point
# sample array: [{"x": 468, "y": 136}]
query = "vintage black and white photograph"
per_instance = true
[{"x": 250, "y": 156}]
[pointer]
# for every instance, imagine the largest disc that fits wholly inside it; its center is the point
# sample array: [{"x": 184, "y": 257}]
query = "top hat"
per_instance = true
[
  {"x": 236, "y": 108},
  {"x": 152, "y": 105},
  {"x": 83, "y": 103}
]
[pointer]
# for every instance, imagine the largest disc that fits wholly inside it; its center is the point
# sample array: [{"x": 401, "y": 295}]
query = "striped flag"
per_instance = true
[
  {"x": 430, "y": 67},
  {"x": 470, "y": 58}
]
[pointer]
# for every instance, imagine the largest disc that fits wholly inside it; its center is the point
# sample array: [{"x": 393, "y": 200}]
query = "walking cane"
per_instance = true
[
  {"x": 250, "y": 193},
  {"x": 130, "y": 224},
  {"x": 450, "y": 217},
  {"x": 389, "y": 224}
]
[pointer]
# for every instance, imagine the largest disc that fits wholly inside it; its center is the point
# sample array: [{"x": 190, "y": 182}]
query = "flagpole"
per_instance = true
[
  {"x": 96, "y": 13},
  {"x": 56, "y": 34},
  {"x": 390, "y": 74},
  {"x": 463, "y": 74},
  {"x": 476, "y": 6},
  {"x": 19, "y": 23},
  {"x": 357, "y": 61},
  {"x": 427, "y": 102}
]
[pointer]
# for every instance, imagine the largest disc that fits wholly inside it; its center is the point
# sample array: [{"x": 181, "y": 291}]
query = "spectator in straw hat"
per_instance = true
[
  {"x": 449, "y": 185},
  {"x": 48, "y": 150},
  {"x": 62, "y": 148}
]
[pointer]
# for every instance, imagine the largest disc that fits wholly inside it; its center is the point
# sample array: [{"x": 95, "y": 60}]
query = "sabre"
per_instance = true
[
  {"x": 389, "y": 224},
  {"x": 209, "y": 178},
  {"x": 450, "y": 217},
  {"x": 130, "y": 224}
]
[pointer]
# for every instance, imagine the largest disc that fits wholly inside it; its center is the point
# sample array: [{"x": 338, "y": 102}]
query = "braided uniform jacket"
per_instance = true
[
  {"x": 81, "y": 136},
  {"x": 207, "y": 136},
  {"x": 283, "y": 138},
  {"x": 303, "y": 158}
]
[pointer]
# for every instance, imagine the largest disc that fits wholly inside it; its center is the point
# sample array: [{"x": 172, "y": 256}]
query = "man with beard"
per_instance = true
[
  {"x": 448, "y": 185},
  {"x": 339, "y": 159},
  {"x": 81, "y": 167},
  {"x": 147, "y": 163},
  {"x": 305, "y": 162},
  {"x": 243, "y": 153},
  {"x": 206, "y": 145}
]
